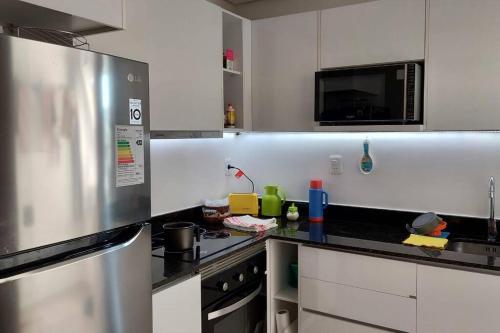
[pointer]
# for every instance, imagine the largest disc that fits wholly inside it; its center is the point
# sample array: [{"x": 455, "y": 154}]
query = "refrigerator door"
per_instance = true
[
  {"x": 105, "y": 291},
  {"x": 65, "y": 115}
]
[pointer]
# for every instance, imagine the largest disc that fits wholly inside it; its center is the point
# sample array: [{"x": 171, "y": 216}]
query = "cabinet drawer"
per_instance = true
[
  {"x": 367, "y": 306},
  {"x": 384, "y": 275},
  {"x": 313, "y": 322}
]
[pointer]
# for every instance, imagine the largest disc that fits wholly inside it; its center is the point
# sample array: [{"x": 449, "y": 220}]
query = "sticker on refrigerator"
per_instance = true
[
  {"x": 135, "y": 111},
  {"x": 129, "y": 145}
]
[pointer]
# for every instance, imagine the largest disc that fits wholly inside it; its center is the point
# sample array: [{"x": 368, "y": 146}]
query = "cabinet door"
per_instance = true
[
  {"x": 284, "y": 59},
  {"x": 317, "y": 323},
  {"x": 182, "y": 42},
  {"x": 456, "y": 301},
  {"x": 186, "y": 66},
  {"x": 108, "y": 12},
  {"x": 463, "y": 70},
  {"x": 373, "y": 32},
  {"x": 177, "y": 309}
]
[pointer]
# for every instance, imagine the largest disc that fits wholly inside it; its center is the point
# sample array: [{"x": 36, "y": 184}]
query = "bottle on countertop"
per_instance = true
[
  {"x": 230, "y": 118},
  {"x": 318, "y": 200},
  {"x": 293, "y": 213}
]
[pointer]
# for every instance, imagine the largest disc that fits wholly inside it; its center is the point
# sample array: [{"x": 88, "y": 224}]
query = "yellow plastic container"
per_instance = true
[{"x": 244, "y": 203}]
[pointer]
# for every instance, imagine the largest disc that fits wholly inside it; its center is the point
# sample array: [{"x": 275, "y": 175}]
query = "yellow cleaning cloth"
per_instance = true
[{"x": 417, "y": 240}]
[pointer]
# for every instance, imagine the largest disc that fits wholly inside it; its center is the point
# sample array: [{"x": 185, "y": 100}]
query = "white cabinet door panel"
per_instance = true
[
  {"x": 186, "y": 66},
  {"x": 313, "y": 322},
  {"x": 284, "y": 60},
  {"x": 463, "y": 70},
  {"x": 456, "y": 301},
  {"x": 383, "y": 275},
  {"x": 177, "y": 309},
  {"x": 358, "y": 304},
  {"x": 373, "y": 32}
]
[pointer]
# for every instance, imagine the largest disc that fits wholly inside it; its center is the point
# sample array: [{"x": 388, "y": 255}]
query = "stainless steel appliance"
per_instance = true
[
  {"x": 74, "y": 190},
  {"x": 378, "y": 95}
]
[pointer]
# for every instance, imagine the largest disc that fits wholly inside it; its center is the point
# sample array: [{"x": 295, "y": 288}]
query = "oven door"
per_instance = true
[{"x": 243, "y": 310}]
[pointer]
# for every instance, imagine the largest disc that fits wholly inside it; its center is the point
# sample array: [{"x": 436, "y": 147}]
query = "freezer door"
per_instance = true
[
  {"x": 60, "y": 108},
  {"x": 106, "y": 291}
]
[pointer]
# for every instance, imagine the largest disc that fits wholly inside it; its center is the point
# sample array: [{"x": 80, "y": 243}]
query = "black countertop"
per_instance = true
[{"x": 374, "y": 232}]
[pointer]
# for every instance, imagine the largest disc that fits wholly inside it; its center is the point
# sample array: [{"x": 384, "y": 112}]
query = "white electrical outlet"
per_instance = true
[
  {"x": 227, "y": 162},
  {"x": 336, "y": 165}
]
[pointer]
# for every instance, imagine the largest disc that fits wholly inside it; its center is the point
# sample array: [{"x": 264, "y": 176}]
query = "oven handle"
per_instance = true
[{"x": 235, "y": 306}]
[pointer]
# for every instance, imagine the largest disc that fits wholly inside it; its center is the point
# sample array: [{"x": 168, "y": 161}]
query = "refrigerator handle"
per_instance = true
[{"x": 76, "y": 259}]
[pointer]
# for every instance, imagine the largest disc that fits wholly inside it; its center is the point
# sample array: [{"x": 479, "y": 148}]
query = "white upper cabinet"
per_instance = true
[
  {"x": 108, "y": 12},
  {"x": 186, "y": 60},
  {"x": 284, "y": 59},
  {"x": 182, "y": 42},
  {"x": 381, "y": 31},
  {"x": 463, "y": 70}
]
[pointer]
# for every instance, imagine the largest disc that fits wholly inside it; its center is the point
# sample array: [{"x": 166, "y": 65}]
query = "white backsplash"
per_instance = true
[
  {"x": 446, "y": 172},
  {"x": 183, "y": 172}
]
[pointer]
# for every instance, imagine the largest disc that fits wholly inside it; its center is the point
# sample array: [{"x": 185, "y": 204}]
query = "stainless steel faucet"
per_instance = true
[{"x": 492, "y": 224}]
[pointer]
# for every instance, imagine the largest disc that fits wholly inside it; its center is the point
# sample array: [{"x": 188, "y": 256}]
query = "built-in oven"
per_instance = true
[
  {"x": 233, "y": 294},
  {"x": 375, "y": 95}
]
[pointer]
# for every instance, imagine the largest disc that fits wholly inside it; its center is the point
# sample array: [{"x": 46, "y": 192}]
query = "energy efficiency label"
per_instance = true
[{"x": 129, "y": 143}]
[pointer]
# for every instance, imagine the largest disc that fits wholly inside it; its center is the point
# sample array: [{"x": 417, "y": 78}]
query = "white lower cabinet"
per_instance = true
[
  {"x": 342, "y": 292},
  {"x": 363, "y": 305},
  {"x": 177, "y": 309},
  {"x": 317, "y": 323},
  {"x": 456, "y": 301},
  {"x": 369, "y": 291}
]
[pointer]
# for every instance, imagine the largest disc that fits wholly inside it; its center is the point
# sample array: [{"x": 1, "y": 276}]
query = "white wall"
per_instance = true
[
  {"x": 445, "y": 172},
  {"x": 184, "y": 172}
]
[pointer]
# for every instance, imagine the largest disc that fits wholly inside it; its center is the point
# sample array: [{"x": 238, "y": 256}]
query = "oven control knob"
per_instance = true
[
  {"x": 254, "y": 269},
  {"x": 240, "y": 277},
  {"x": 223, "y": 286}
]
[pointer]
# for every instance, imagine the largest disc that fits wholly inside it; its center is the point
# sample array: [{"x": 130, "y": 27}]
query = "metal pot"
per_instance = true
[
  {"x": 179, "y": 236},
  {"x": 424, "y": 224}
]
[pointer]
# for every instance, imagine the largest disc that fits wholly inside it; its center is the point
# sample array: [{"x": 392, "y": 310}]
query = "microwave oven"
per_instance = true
[{"x": 376, "y": 95}]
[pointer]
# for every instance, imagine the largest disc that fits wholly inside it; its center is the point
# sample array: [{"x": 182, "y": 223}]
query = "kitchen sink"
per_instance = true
[{"x": 474, "y": 247}]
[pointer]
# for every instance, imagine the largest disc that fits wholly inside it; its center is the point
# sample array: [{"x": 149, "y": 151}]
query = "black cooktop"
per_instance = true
[{"x": 213, "y": 239}]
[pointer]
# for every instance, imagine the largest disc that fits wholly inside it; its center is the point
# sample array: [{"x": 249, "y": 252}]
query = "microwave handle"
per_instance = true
[{"x": 235, "y": 306}]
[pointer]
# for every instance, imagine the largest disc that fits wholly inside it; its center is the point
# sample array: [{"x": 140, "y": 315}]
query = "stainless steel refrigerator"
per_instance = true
[{"x": 75, "y": 248}]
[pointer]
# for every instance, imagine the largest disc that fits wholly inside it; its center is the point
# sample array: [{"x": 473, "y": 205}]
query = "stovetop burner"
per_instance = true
[{"x": 216, "y": 235}]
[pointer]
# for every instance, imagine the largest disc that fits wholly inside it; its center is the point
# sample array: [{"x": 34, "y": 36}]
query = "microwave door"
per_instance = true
[{"x": 366, "y": 96}]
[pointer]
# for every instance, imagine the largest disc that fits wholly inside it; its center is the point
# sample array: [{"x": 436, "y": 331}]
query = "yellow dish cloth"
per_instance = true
[{"x": 417, "y": 240}]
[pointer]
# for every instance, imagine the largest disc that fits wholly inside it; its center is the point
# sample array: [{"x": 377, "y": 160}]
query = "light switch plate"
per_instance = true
[{"x": 336, "y": 165}]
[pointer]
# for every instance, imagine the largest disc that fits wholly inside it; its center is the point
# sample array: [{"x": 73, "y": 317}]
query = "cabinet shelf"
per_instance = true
[
  {"x": 233, "y": 130},
  {"x": 288, "y": 294},
  {"x": 230, "y": 71}
]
